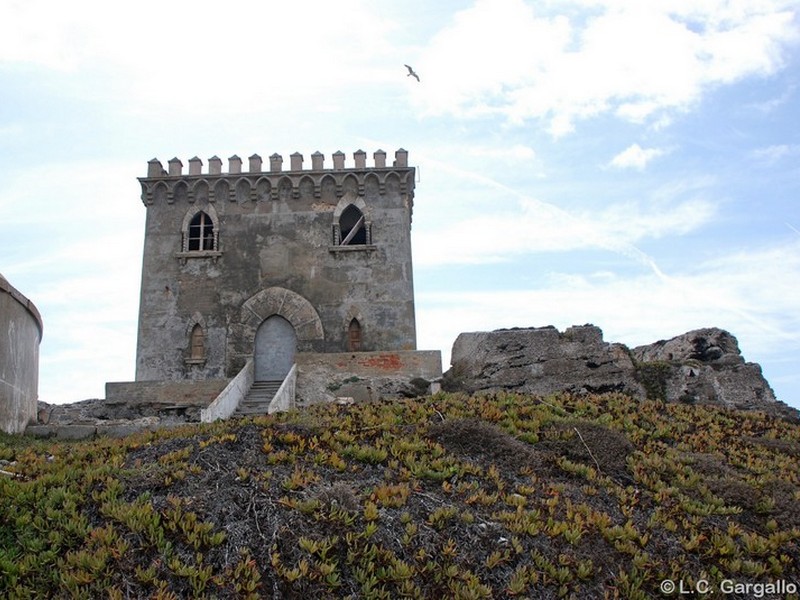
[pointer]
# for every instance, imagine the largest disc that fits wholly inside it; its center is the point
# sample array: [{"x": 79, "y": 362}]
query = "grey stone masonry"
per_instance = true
[
  {"x": 700, "y": 366},
  {"x": 328, "y": 248}
]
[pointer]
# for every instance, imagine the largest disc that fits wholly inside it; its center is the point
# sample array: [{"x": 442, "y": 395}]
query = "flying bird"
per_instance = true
[{"x": 411, "y": 73}]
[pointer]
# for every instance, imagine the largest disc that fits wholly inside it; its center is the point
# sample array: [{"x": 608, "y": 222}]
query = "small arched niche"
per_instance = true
[
  {"x": 196, "y": 351},
  {"x": 197, "y": 343},
  {"x": 354, "y": 339}
]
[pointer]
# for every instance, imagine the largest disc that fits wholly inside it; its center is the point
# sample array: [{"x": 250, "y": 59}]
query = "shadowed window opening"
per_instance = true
[
  {"x": 353, "y": 227},
  {"x": 201, "y": 233},
  {"x": 354, "y": 336}
]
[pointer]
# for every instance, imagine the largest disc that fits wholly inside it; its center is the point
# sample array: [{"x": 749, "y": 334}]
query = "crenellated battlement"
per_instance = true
[
  {"x": 155, "y": 169},
  {"x": 255, "y": 183}
]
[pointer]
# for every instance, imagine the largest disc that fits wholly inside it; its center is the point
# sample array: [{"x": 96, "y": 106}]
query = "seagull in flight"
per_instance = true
[{"x": 411, "y": 73}]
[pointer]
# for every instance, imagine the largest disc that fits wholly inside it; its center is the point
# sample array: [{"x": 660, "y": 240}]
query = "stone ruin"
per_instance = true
[{"x": 701, "y": 366}]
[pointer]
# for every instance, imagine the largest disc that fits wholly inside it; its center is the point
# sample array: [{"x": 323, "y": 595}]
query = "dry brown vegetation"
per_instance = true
[{"x": 446, "y": 496}]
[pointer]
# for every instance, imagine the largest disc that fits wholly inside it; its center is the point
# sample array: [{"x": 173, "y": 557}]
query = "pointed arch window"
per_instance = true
[
  {"x": 354, "y": 336},
  {"x": 197, "y": 346},
  {"x": 201, "y": 234},
  {"x": 198, "y": 342},
  {"x": 353, "y": 228}
]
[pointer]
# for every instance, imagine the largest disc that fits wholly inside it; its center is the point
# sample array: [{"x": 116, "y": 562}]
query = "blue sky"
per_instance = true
[{"x": 630, "y": 164}]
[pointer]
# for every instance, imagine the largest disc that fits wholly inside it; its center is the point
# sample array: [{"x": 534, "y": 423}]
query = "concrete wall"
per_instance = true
[
  {"x": 276, "y": 231},
  {"x": 365, "y": 376},
  {"x": 21, "y": 331}
]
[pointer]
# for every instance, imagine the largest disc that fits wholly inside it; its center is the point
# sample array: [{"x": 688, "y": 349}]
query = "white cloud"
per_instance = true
[
  {"x": 489, "y": 49},
  {"x": 636, "y": 157},
  {"x": 632, "y": 59},
  {"x": 34, "y": 33},
  {"x": 517, "y": 59},
  {"x": 199, "y": 56}
]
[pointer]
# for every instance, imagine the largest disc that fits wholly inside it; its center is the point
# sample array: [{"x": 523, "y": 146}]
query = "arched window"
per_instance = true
[
  {"x": 354, "y": 336},
  {"x": 353, "y": 228},
  {"x": 197, "y": 344},
  {"x": 201, "y": 233}
]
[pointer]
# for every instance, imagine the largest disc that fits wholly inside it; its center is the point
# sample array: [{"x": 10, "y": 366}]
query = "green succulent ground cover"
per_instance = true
[{"x": 440, "y": 497}]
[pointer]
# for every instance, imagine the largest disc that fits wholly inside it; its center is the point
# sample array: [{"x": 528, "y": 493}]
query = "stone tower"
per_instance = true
[{"x": 268, "y": 263}]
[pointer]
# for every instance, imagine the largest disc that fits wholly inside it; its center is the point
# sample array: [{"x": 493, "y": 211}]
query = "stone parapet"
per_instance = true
[{"x": 172, "y": 184}]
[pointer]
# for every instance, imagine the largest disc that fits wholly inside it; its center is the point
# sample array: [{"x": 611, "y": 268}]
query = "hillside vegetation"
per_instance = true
[{"x": 440, "y": 497}]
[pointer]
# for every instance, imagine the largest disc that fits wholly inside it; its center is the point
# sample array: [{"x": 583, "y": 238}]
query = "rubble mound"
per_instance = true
[{"x": 700, "y": 366}]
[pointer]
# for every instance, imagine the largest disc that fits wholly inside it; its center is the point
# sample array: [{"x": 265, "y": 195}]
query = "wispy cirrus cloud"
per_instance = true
[
  {"x": 486, "y": 221},
  {"x": 775, "y": 153},
  {"x": 530, "y": 226},
  {"x": 516, "y": 152}
]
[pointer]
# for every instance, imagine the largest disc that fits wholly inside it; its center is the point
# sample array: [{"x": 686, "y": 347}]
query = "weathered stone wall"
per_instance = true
[
  {"x": 276, "y": 231},
  {"x": 21, "y": 326},
  {"x": 180, "y": 399},
  {"x": 541, "y": 361},
  {"x": 365, "y": 376},
  {"x": 702, "y": 366}
]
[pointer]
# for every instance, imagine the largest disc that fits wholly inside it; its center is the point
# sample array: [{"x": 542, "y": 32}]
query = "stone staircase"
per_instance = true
[{"x": 258, "y": 398}]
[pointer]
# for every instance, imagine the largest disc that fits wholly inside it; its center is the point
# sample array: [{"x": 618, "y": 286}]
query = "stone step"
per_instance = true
[
  {"x": 244, "y": 411},
  {"x": 259, "y": 397},
  {"x": 263, "y": 390}
]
